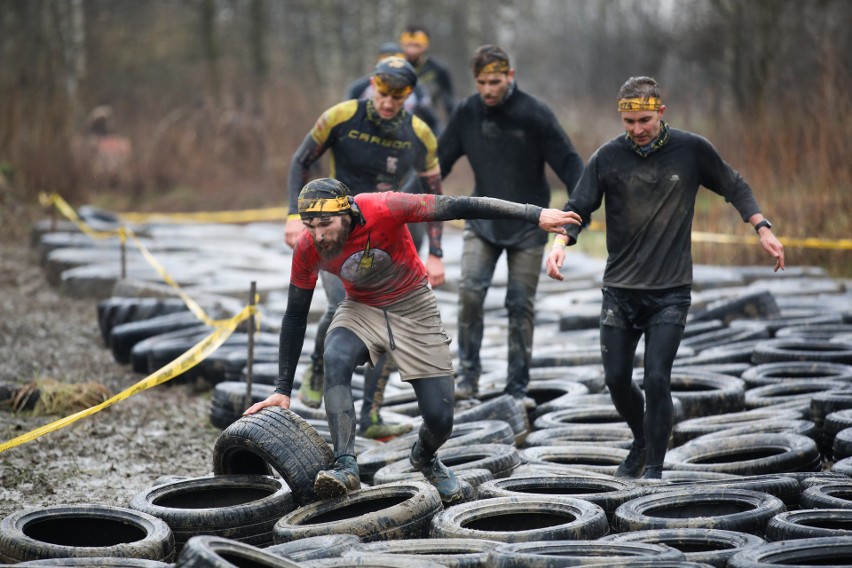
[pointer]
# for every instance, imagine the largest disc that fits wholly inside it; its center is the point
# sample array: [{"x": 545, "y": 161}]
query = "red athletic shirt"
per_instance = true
[{"x": 379, "y": 264}]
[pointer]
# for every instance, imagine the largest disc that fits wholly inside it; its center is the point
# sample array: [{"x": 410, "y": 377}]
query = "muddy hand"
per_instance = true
[
  {"x": 274, "y": 399},
  {"x": 554, "y": 220}
]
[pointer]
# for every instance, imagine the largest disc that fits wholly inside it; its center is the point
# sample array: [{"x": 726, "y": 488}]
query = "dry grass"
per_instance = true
[{"x": 47, "y": 396}]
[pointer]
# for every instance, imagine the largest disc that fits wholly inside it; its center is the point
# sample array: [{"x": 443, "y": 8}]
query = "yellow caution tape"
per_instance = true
[
  {"x": 280, "y": 213},
  {"x": 193, "y": 306},
  {"x": 836, "y": 244},
  {"x": 244, "y": 216},
  {"x": 184, "y": 362},
  {"x": 123, "y": 232},
  {"x": 63, "y": 207}
]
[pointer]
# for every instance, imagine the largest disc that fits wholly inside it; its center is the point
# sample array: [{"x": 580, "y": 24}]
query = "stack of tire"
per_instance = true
[{"x": 758, "y": 472}]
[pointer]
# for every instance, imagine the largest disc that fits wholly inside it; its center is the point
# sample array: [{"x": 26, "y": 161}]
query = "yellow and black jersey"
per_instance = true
[{"x": 368, "y": 154}]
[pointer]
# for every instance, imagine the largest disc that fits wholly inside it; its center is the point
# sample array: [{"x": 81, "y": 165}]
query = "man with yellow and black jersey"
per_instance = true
[{"x": 375, "y": 145}]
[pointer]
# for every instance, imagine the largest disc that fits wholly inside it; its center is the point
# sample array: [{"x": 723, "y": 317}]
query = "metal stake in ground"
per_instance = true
[
  {"x": 251, "y": 324},
  {"x": 123, "y": 241}
]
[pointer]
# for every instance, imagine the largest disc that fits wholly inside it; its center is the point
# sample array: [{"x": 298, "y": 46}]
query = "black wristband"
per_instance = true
[
  {"x": 436, "y": 252},
  {"x": 764, "y": 223}
]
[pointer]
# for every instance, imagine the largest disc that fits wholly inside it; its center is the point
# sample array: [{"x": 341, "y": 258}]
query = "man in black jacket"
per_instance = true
[
  {"x": 649, "y": 177},
  {"x": 508, "y": 136},
  {"x": 431, "y": 73}
]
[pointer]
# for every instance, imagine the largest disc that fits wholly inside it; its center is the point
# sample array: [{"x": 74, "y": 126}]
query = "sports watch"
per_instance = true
[{"x": 764, "y": 223}]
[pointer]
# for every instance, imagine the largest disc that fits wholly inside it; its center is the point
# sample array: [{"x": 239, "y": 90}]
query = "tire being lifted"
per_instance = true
[{"x": 274, "y": 440}]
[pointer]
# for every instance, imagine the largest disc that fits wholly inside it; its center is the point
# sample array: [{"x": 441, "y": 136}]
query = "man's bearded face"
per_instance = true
[{"x": 330, "y": 234}]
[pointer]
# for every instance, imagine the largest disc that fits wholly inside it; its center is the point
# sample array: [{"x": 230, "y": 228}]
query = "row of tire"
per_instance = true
[
  {"x": 810, "y": 428},
  {"x": 517, "y": 515}
]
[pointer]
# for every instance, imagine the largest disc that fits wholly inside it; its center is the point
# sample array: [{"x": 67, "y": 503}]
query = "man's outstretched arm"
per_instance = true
[{"x": 448, "y": 207}]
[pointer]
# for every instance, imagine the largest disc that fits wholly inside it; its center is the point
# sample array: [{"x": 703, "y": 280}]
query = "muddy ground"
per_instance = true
[{"x": 102, "y": 459}]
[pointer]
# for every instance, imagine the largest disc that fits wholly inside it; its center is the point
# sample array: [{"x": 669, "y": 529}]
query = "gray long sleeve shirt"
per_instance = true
[
  {"x": 650, "y": 204},
  {"x": 507, "y": 147}
]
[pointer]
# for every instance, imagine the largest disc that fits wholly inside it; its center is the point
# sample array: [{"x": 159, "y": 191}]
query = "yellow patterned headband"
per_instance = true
[
  {"x": 384, "y": 89},
  {"x": 323, "y": 206},
  {"x": 419, "y": 38},
  {"x": 637, "y": 103},
  {"x": 495, "y": 67}
]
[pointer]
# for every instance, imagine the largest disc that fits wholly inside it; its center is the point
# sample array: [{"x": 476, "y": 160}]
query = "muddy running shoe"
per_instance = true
[
  {"x": 653, "y": 472},
  {"x": 634, "y": 464},
  {"x": 437, "y": 474},
  {"x": 375, "y": 428},
  {"x": 466, "y": 389},
  {"x": 345, "y": 477},
  {"x": 310, "y": 391}
]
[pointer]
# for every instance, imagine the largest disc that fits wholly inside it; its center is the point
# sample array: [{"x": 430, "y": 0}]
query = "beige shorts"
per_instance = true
[{"x": 410, "y": 331}]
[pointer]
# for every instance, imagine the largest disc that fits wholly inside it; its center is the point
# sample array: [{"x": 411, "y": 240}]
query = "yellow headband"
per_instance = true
[
  {"x": 419, "y": 38},
  {"x": 495, "y": 67},
  {"x": 319, "y": 206},
  {"x": 628, "y": 105},
  {"x": 383, "y": 89}
]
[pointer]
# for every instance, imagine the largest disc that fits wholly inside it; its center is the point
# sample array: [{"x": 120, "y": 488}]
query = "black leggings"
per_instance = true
[
  {"x": 651, "y": 427},
  {"x": 344, "y": 351}
]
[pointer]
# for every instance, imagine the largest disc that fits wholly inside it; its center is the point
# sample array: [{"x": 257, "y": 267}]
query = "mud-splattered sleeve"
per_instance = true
[{"x": 424, "y": 207}]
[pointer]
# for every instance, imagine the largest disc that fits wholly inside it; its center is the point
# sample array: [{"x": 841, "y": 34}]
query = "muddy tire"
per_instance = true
[
  {"x": 238, "y": 507},
  {"x": 139, "y": 354},
  {"x": 785, "y": 487},
  {"x": 123, "y": 337},
  {"x": 315, "y": 547},
  {"x": 118, "y": 310},
  {"x": 567, "y": 553},
  {"x": 824, "y": 403},
  {"x": 691, "y": 428},
  {"x": 705, "y": 394},
  {"x": 228, "y": 401},
  {"x": 609, "y": 436},
  {"x": 205, "y": 551},
  {"x": 771, "y": 373},
  {"x": 832, "y": 423},
  {"x": 749, "y": 454},
  {"x": 503, "y": 407},
  {"x": 385, "y": 512},
  {"x": 70, "y": 531},
  {"x": 499, "y": 459},
  {"x": 606, "y": 493},
  {"x": 599, "y": 459},
  {"x": 708, "y": 546},
  {"x": 810, "y": 523},
  {"x": 522, "y": 519},
  {"x": 841, "y": 446},
  {"x": 735, "y": 352},
  {"x": 760, "y": 304},
  {"x": 825, "y": 551},
  {"x": 843, "y": 466},
  {"x": 466, "y": 433},
  {"x": 274, "y": 441},
  {"x": 799, "y": 427},
  {"x": 450, "y": 552},
  {"x": 802, "y": 349},
  {"x": 354, "y": 559},
  {"x": 828, "y": 496},
  {"x": 727, "y": 509},
  {"x": 595, "y": 415},
  {"x": 789, "y": 391},
  {"x": 98, "y": 561},
  {"x": 725, "y": 335}
]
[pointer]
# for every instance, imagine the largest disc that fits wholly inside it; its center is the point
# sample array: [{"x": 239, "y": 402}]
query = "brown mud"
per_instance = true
[{"x": 102, "y": 459}]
